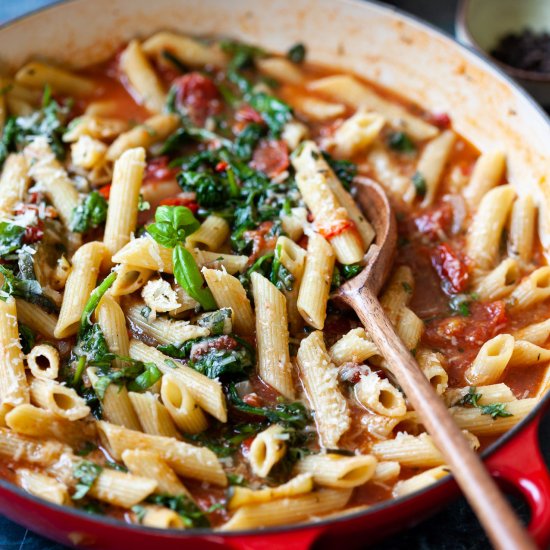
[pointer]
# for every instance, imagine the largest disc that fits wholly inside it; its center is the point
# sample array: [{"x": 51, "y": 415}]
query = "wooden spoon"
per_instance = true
[{"x": 494, "y": 512}]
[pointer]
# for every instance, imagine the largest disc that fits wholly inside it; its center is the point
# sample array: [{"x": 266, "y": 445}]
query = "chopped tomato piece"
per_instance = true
[
  {"x": 451, "y": 267},
  {"x": 253, "y": 399},
  {"x": 199, "y": 96},
  {"x": 181, "y": 201},
  {"x": 334, "y": 228},
  {"x": 157, "y": 169},
  {"x": 33, "y": 233},
  {"x": 435, "y": 222},
  {"x": 105, "y": 191},
  {"x": 271, "y": 157},
  {"x": 247, "y": 114},
  {"x": 221, "y": 166},
  {"x": 441, "y": 120}
]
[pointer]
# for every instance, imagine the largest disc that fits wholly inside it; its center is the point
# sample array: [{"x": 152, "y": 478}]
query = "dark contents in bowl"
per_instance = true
[{"x": 527, "y": 50}]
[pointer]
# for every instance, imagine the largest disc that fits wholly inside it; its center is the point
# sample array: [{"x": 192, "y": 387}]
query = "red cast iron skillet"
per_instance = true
[{"x": 514, "y": 460}]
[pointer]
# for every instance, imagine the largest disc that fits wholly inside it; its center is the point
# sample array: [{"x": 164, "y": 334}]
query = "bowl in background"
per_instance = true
[{"x": 481, "y": 24}]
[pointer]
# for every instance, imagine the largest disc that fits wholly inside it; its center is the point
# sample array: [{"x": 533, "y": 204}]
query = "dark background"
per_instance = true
[{"x": 455, "y": 527}]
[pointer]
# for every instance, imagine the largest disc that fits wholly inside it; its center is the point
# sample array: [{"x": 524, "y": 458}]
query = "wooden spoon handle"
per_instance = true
[{"x": 493, "y": 511}]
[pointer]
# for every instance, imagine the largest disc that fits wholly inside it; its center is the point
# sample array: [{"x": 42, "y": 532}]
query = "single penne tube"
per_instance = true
[
  {"x": 36, "y": 422},
  {"x": 189, "y": 51},
  {"x": 45, "y": 169},
  {"x": 431, "y": 364},
  {"x": 280, "y": 69},
  {"x": 80, "y": 283},
  {"x": 533, "y": 289},
  {"x": 536, "y": 333},
  {"x": 337, "y": 471},
  {"x": 14, "y": 182},
  {"x": 397, "y": 293},
  {"x": 212, "y": 234},
  {"x": 320, "y": 379},
  {"x": 356, "y": 134},
  {"x": 205, "y": 391},
  {"x": 14, "y": 389},
  {"x": 353, "y": 347},
  {"x": 111, "y": 320},
  {"x": 123, "y": 201},
  {"x": 317, "y": 176},
  {"x": 61, "y": 81},
  {"x": 314, "y": 109},
  {"x": 288, "y": 510},
  {"x": 43, "y": 486},
  {"x": 420, "y": 481},
  {"x": 488, "y": 173},
  {"x": 187, "y": 460},
  {"x": 43, "y": 361},
  {"x": 149, "y": 464},
  {"x": 274, "y": 366},
  {"x": 154, "y": 130},
  {"x": 389, "y": 173},
  {"x": 478, "y": 423},
  {"x": 526, "y": 354},
  {"x": 243, "y": 496},
  {"x": 36, "y": 318},
  {"x": 116, "y": 405},
  {"x": 164, "y": 331},
  {"x": 292, "y": 258},
  {"x": 315, "y": 285},
  {"x": 485, "y": 395},
  {"x": 33, "y": 450},
  {"x": 432, "y": 163},
  {"x": 499, "y": 282},
  {"x": 412, "y": 451},
  {"x": 521, "y": 234},
  {"x": 232, "y": 263},
  {"x": 183, "y": 409},
  {"x": 483, "y": 240},
  {"x": 96, "y": 127},
  {"x": 229, "y": 292},
  {"x": 121, "y": 489},
  {"x": 129, "y": 279},
  {"x": 267, "y": 449},
  {"x": 349, "y": 90},
  {"x": 61, "y": 400},
  {"x": 153, "y": 416},
  {"x": 142, "y": 78},
  {"x": 491, "y": 360},
  {"x": 380, "y": 396},
  {"x": 409, "y": 328},
  {"x": 386, "y": 471},
  {"x": 161, "y": 517}
]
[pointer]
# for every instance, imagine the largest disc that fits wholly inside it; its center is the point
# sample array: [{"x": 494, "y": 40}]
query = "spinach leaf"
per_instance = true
[
  {"x": 218, "y": 322},
  {"x": 246, "y": 141},
  {"x": 297, "y": 53},
  {"x": 27, "y": 338},
  {"x": 11, "y": 238},
  {"x": 419, "y": 184},
  {"x": 90, "y": 213},
  {"x": 345, "y": 170},
  {"x": 400, "y": 141},
  {"x": 93, "y": 301},
  {"x": 280, "y": 276},
  {"x": 28, "y": 289},
  {"x": 136, "y": 376},
  {"x": 495, "y": 410},
  {"x": 275, "y": 112},
  {"x": 86, "y": 472}
]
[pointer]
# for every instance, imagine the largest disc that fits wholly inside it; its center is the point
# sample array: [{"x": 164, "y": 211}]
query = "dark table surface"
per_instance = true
[{"x": 455, "y": 527}]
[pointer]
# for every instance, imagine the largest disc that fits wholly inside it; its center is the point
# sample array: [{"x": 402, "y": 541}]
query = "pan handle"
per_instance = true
[
  {"x": 521, "y": 464},
  {"x": 298, "y": 539}
]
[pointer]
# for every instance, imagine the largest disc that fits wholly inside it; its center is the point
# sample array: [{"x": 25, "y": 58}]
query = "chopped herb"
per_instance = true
[
  {"x": 140, "y": 512},
  {"x": 218, "y": 322},
  {"x": 86, "y": 472},
  {"x": 90, "y": 213},
  {"x": 215, "y": 507},
  {"x": 471, "y": 398},
  {"x": 27, "y": 338},
  {"x": 297, "y": 53},
  {"x": 237, "y": 479},
  {"x": 407, "y": 287},
  {"x": 400, "y": 141},
  {"x": 419, "y": 184},
  {"x": 460, "y": 303},
  {"x": 495, "y": 410},
  {"x": 143, "y": 205},
  {"x": 115, "y": 466},
  {"x": 87, "y": 449},
  {"x": 145, "y": 311},
  {"x": 351, "y": 270}
]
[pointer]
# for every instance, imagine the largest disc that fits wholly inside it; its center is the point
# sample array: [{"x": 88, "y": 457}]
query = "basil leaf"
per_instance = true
[
  {"x": 86, "y": 472},
  {"x": 11, "y": 238}
]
